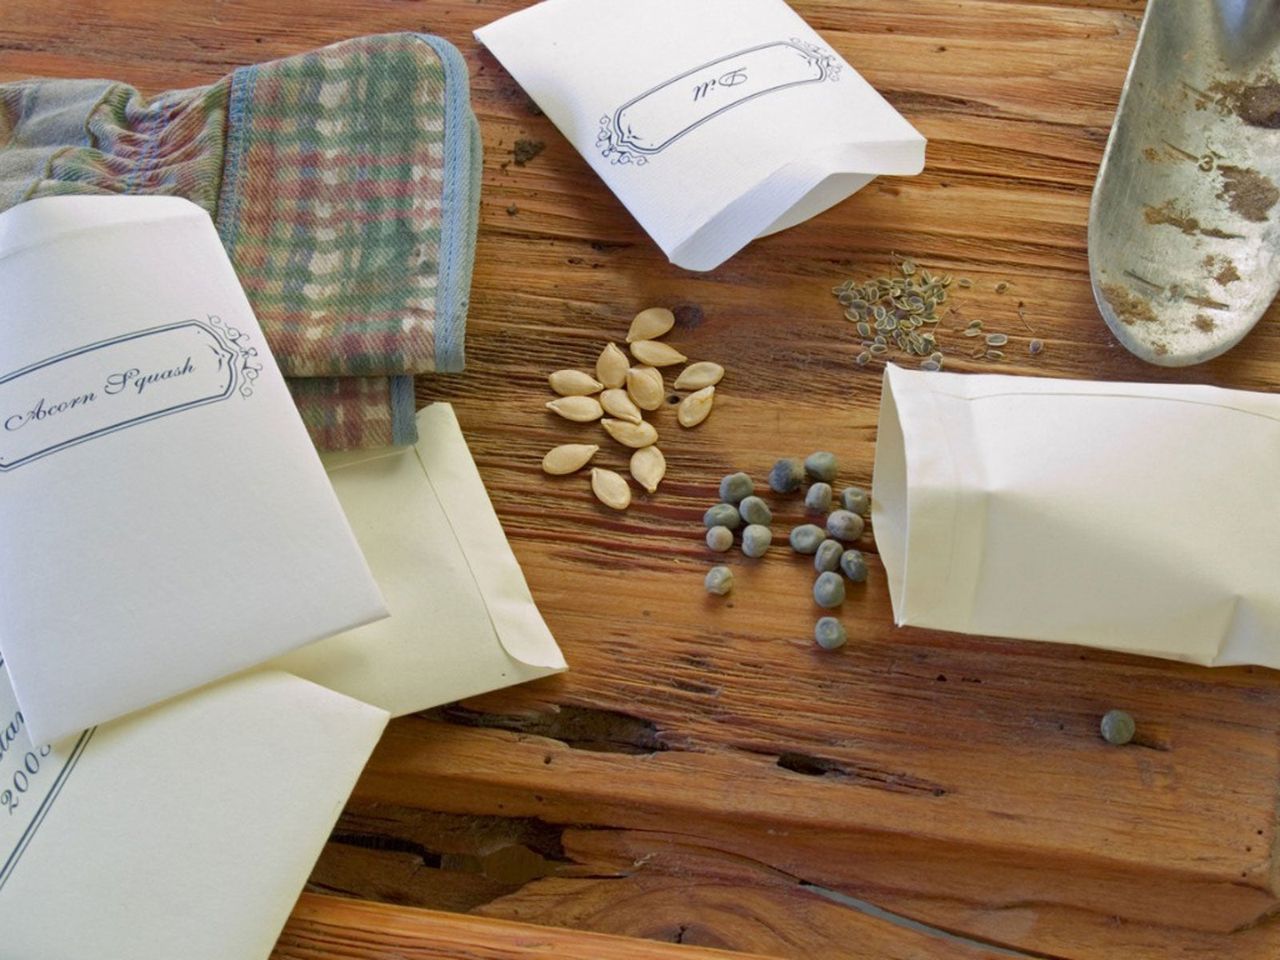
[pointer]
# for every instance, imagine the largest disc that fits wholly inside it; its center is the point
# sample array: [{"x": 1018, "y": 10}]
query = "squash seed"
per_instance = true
[
  {"x": 699, "y": 375},
  {"x": 655, "y": 354},
  {"x": 611, "y": 367},
  {"x": 651, "y": 324},
  {"x": 644, "y": 387},
  {"x": 634, "y": 435},
  {"x": 574, "y": 383},
  {"x": 610, "y": 488},
  {"x": 569, "y": 458},
  {"x": 616, "y": 403},
  {"x": 648, "y": 466},
  {"x": 696, "y": 407},
  {"x": 577, "y": 409}
]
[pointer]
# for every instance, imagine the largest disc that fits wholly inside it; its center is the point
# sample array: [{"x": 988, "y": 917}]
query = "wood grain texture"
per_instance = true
[{"x": 704, "y": 774}]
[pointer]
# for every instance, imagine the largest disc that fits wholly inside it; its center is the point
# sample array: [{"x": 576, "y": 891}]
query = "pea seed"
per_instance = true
[
  {"x": 719, "y": 580},
  {"x": 722, "y": 515},
  {"x": 754, "y": 510},
  {"x": 786, "y": 476},
  {"x": 1117, "y": 727},
  {"x": 805, "y": 538},
  {"x": 827, "y": 557},
  {"x": 719, "y": 539},
  {"x": 756, "y": 540},
  {"x": 829, "y": 633},
  {"x": 818, "y": 498},
  {"x": 854, "y": 566},
  {"x": 844, "y": 525},
  {"x": 856, "y": 500},
  {"x": 821, "y": 466},
  {"x": 828, "y": 590},
  {"x": 736, "y": 487}
]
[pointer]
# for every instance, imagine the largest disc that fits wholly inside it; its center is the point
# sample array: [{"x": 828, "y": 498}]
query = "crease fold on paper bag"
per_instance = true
[
  {"x": 714, "y": 122},
  {"x": 1130, "y": 517}
]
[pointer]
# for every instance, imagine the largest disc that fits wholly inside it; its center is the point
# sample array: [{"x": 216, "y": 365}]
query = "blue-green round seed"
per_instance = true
[
  {"x": 722, "y": 515},
  {"x": 818, "y": 498},
  {"x": 786, "y": 476},
  {"x": 806, "y": 538},
  {"x": 755, "y": 510},
  {"x": 844, "y": 525},
  {"x": 719, "y": 580},
  {"x": 735, "y": 487},
  {"x": 756, "y": 540},
  {"x": 829, "y": 633},
  {"x": 1117, "y": 727},
  {"x": 856, "y": 500},
  {"x": 828, "y": 590},
  {"x": 827, "y": 557},
  {"x": 821, "y": 466},
  {"x": 854, "y": 566},
  {"x": 719, "y": 539}
]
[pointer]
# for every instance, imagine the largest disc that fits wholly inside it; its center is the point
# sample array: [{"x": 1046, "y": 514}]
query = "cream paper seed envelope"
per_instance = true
[
  {"x": 462, "y": 619},
  {"x": 184, "y": 831},
  {"x": 166, "y": 519},
  {"x": 714, "y": 121}
]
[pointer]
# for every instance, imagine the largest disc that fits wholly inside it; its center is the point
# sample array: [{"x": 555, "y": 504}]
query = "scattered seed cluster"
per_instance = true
[
  {"x": 625, "y": 392},
  {"x": 900, "y": 312},
  {"x": 834, "y": 560}
]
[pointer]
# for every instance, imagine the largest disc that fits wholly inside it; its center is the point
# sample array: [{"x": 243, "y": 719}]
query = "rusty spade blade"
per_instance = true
[{"x": 1184, "y": 228}]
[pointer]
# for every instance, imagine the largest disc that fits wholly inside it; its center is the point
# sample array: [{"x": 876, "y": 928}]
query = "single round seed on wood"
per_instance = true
[
  {"x": 577, "y": 409},
  {"x": 610, "y": 488},
  {"x": 634, "y": 435},
  {"x": 616, "y": 403},
  {"x": 574, "y": 383},
  {"x": 806, "y": 538},
  {"x": 844, "y": 525},
  {"x": 786, "y": 476},
  {"x": 818, "y": 498},
  {"x": 569, "y": 458},
  {"x": 699, "y": 375},
  {"x": 821, "y": 466},
  {"x": 755, "y": 510},
  {"x": 722, "y": 515},
  {"x": 696, "y": 407},
  {"x": 827, "y": 557},
  {"x": 829, "y": 634},
  {"x": 644, "y": 386},
  {"x": 1117, "y": 727},
  {"x": 756, "y": 540},
  {"x": 719, "y": 580},
  {"x": 612, "y": 366},
  {"x": 736, "y": 487},
  {"x": 856, "y": 500},
  {"x": 854, "y": 566},
  {"x": 648, "y": 466},
  {"x": 656, "y": 353},
  {"x": 719, "y": 539},
  {"x": 828, "y": 590},
  {"x": 651, "y": 324}
]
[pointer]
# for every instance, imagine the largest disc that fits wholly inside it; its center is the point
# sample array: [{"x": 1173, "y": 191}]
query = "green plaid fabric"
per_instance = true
[{"x": 344, "y": 183}]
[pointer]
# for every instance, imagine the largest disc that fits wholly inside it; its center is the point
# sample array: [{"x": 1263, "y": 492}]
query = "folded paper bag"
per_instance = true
[
  {"x": 714, "y": 122},
  {"x": 1132, "y": 517}
]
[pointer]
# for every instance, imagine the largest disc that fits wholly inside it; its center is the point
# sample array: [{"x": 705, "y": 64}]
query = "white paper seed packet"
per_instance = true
[
  {"x": 1128, "y": 516},
  {"x": 462, "y": 619},
  {"x": 714, "y": 121},
  {"x": 166, "y": 519}
]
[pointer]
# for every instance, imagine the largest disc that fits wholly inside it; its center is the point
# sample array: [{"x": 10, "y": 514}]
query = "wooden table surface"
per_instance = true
[{"x": 704, "y": 775}]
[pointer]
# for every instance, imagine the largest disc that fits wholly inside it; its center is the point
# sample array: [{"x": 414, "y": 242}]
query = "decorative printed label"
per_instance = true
[
  {"x": 118, "y": 383},
  {"x": 648, "y": 124},
  {"x": 31, "y": 778}
]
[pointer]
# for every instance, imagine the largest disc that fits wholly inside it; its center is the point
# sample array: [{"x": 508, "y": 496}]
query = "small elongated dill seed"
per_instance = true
[
  {"x": 995, "y": 354},
  {"x": 1002, "y": 286},
  {"x": 1035, "y": 347},
  {"x": 879, "y": 349},
  {"x": 930, "y": 365},
  {"x": 996, "y": 339},
  {"x": 863, "y": 358}
]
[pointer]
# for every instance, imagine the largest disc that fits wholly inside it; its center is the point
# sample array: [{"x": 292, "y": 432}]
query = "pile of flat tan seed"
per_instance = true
[{"x": 626, "y": 392}]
